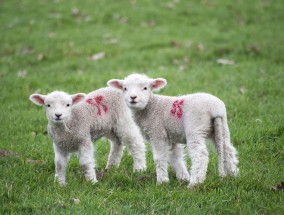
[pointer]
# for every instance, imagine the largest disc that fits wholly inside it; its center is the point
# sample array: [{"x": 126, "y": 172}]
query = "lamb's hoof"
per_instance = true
[
  {"x": 236, "y": 172},
  {"x": 194, "y": 185},
  {"x": 94, "y": 181},
  {"x": 139, "y": 166},
  {"x": 163, "y": 181},
  {"x": 60, "y": 182},
  {"x": 183, "y": 177},
  {"x": 140, "y": 169},
  {"x": 110, "y": 166},
  {"x": 191, "y": 186}
]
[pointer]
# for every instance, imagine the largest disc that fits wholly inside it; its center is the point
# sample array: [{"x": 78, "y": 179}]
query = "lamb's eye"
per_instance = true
[
  {"x": 68, "y": 105},
  {"x": 48, "y": 105},
  {"x": 145, "y": 88},
  {"x": 125, "y": 88}
]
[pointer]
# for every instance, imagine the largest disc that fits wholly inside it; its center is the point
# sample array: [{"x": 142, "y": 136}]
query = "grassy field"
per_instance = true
[{"x": 49, "y": 45}]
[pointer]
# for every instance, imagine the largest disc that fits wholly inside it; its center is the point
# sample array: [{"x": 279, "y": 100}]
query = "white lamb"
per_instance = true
[
  {"x": 75, "y": 121},
  {"x": 191, "y": 119}
]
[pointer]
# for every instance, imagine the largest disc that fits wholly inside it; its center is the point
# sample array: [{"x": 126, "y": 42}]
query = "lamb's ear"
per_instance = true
[
  {"x": 37, "y": 99},
  {"x": 115, "y": 83},
  {"x": 76, "y": 98},
  {"x": 157, "y": 84}
]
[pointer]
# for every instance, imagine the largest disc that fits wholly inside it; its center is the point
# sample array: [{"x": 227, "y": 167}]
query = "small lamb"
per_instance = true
[
  {"x": 75, "y": 121},
  {"x": 166, "y": 121}
]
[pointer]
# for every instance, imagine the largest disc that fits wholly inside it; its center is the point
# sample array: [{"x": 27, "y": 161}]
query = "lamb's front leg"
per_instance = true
[
  {"x": 161, "y": 153},
  {"x": 61, "y": 162},
  {"x": 87, "y": 162}
]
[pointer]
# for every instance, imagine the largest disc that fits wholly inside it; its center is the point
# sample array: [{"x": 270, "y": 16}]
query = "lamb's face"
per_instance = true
[
  {"x": 57, "y": 105},
  {"x": 136, "y": 93},
  {"x": 137, "y": 89}
]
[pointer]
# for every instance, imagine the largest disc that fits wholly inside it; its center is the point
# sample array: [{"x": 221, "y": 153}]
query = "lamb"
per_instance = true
[
  {"x": 74, "y": 121},
  {"x": 166, "y": 121}
]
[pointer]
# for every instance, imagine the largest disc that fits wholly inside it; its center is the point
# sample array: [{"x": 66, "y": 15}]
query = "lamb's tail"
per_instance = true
[{"x": 227, "y": 154}]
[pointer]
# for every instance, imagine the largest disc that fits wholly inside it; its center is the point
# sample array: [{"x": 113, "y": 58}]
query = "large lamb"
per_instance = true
[
  {"x": 166, "y": 121},
  {"x": 75, "y": 121}
]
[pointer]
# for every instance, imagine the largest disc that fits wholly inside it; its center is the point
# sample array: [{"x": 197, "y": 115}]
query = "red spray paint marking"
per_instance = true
[
  {"x": 97, "y": 102},
  {"x": 177, "y": 108}
]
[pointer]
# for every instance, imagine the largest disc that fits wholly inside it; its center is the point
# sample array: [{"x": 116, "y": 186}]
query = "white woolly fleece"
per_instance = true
[
  {"x": 75, "y": 121},
  {"x": 166, "y": 121}
]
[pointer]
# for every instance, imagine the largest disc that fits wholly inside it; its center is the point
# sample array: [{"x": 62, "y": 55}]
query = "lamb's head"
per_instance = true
[
  {"x": 57, "y": 104},
  {"x": 137, "y": 89}
]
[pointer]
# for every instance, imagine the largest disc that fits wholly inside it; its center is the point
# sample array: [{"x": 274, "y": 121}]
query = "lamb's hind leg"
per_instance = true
[
  {"x": 115, "y": 154},
  {"x": 230, "y": 153},
  {"x": 87, "y": 162},
  {"x": 131, "y": 136},
  {"x": 178, "y": 162},
  {"x": 199, "y": 158}
]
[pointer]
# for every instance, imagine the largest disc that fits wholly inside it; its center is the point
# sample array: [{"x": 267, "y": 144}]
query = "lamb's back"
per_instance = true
[{"x": 167, "y": 115}]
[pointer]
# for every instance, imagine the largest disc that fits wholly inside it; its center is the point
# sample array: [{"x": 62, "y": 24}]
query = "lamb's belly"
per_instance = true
[
  {"x": 69, "y": 145},
  {"x": 175, "y": 131},
  {"x": 97, "y": 134},
  {"x": 176, "y": 138},
  {"x": 173, "y": 135}
]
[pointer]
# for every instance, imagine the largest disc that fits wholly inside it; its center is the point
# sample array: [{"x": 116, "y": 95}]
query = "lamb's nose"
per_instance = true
[
  {"x": 58, "y": 115},
  {"x": 133, "y": 97}
]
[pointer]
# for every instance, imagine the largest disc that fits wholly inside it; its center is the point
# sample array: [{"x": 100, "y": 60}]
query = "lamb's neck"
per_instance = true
[
  {"x": 146, "y": 112},
  {"x": 152, "y": 103},
  {"x": 60, "y": 126}
]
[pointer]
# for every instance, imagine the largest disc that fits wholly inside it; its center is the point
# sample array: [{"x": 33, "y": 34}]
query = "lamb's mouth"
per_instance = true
[{"x": 133, "y": 102}]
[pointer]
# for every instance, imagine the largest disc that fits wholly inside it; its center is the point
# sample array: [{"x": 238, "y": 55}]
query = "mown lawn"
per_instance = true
[{"x": 49, "y": 45}]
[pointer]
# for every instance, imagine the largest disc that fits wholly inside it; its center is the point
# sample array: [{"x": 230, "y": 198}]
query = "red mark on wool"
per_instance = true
[
  {"x": 97, "y": 102},
  {"x": 177, "y": 108}
]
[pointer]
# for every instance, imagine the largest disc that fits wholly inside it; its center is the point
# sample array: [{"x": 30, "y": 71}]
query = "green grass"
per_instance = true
[{"x": 181, "y": 44}]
